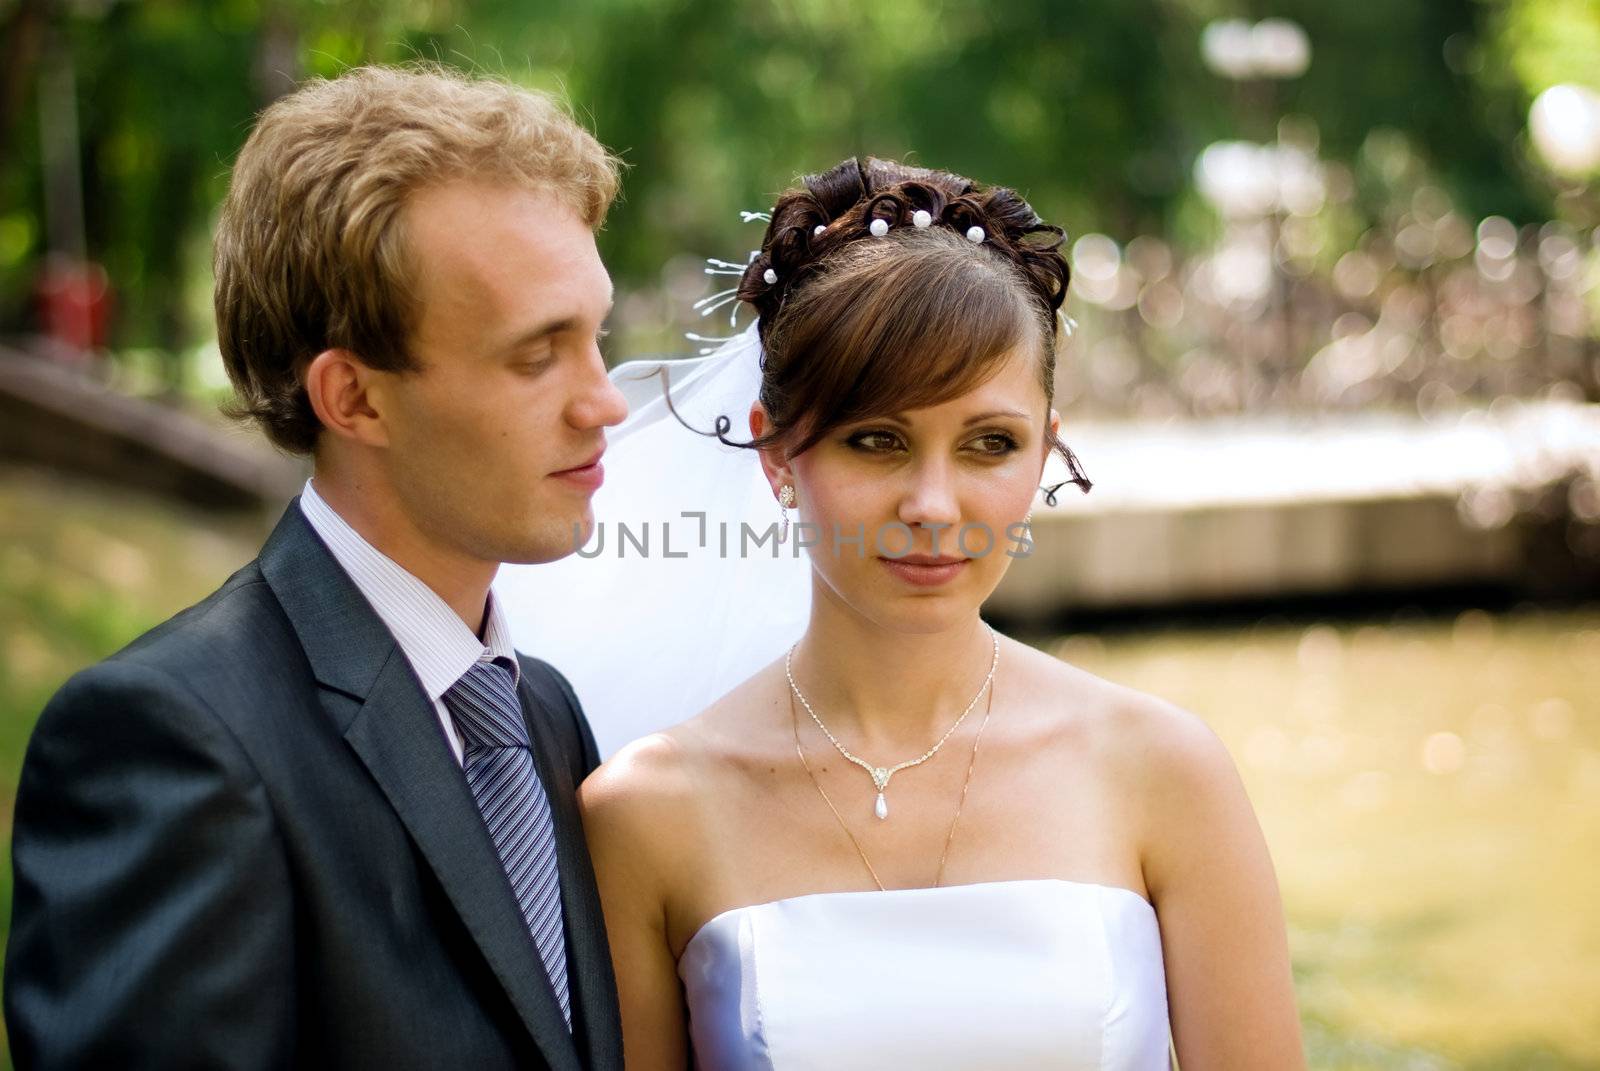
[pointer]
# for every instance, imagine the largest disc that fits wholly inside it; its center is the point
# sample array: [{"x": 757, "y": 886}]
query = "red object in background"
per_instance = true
[{"x": 74, "y": 303}]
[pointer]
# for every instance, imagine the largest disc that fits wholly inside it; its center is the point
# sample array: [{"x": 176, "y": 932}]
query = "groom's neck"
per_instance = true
[{"x": 375, "y": 512}]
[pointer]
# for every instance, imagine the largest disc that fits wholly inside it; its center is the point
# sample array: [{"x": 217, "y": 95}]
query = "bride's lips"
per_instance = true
[
  {"x": 925, "y": 570},
  {"x": 587, "y": 476}
]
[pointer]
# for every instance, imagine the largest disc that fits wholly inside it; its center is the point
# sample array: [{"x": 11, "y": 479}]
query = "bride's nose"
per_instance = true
[{"x": 930, "y": 495}]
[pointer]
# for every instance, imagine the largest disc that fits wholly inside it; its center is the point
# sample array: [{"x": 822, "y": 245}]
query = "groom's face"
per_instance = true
[{"x": 494, "y": 444}]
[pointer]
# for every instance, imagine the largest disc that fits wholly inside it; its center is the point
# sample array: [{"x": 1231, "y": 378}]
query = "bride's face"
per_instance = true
[{"x": 911, "y": 515}]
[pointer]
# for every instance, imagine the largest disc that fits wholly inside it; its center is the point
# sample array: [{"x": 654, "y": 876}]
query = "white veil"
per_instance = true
[{"x": 649, "y": 637}]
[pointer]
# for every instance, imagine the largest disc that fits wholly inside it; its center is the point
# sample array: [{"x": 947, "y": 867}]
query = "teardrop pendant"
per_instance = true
[{"x": 881, "y": 808}]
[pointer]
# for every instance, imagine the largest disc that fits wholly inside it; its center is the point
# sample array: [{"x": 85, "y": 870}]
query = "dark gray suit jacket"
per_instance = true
[{"x": 243, "y": 842}]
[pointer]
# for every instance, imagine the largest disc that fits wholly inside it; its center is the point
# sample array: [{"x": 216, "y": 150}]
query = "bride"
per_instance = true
[{"x": 909, "y": 841}]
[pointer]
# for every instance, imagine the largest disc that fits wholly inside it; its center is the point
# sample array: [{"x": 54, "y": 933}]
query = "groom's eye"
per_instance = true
[{"x": 533, "y": 367}]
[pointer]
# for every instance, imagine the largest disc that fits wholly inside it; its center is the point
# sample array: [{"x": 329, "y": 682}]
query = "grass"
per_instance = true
[
  {"x": 83, "y": 570},
  {"x": 1430, "y": 788}
]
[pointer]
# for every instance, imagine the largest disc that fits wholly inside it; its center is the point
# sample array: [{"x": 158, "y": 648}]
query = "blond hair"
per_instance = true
[{"x": 310, "y": 252}]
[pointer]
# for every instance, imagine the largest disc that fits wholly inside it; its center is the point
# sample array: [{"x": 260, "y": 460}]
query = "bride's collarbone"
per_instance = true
[
  {"x": 775, "y": 839},
  {"x": 1051, "y": 795}
]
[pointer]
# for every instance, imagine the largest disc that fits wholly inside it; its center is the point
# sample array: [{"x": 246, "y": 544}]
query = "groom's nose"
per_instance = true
[{"x": 598, "y": 403}]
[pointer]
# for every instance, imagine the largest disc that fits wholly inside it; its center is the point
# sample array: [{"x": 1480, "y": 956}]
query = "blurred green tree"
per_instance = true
[{"x": 1095, "y": 110}]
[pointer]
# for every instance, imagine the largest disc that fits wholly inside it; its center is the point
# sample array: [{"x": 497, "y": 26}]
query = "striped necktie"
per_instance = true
[{"x": 499, "y": 768}]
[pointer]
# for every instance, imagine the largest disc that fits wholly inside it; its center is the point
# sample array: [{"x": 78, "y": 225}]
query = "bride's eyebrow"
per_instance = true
[
  {"x": 992, "y": 414},
  {"x": 977, "y": 418}
]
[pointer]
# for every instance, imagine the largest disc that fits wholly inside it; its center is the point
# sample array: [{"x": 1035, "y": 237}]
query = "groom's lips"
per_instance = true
[{"x": 588, "y": 476}]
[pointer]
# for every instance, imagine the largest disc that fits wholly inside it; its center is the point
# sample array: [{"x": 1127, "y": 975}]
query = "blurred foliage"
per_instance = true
[
  {"x": 1428, "y": 787},
  {"x": 1545, "y": 42},
  {"x": 1096, "y": 110}
]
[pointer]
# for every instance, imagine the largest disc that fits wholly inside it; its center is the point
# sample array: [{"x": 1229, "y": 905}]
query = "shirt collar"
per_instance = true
[{"x": 437, "y": 643}]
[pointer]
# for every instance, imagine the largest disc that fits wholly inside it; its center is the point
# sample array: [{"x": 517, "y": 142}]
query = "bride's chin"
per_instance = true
[
  {"x": 919, "y": 615},
  {"x": 899, "y": 607}
]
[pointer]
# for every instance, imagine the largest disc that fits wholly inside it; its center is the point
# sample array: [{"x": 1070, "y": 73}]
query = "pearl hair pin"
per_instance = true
[{"x": 921, "y": 218}]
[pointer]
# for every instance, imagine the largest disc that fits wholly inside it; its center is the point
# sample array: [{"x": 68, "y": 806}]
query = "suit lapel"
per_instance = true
[
  {"x": 397, "y": 736},
  {"x": 598, "y": 1028}
]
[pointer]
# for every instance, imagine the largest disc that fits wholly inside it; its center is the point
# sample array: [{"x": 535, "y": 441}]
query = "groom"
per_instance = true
[{"x": 327, "y": 816}]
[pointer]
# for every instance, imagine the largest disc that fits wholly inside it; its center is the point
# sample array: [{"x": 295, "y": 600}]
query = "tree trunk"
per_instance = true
[{"x": 20, "y": 42}]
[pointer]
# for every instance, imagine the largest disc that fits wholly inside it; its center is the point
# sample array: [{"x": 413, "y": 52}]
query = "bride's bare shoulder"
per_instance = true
[
  {"x": 666, "y": 776},
  {"x": 643, "y": 820},
  {"x": 1148, "y": 741},
  {"x": 650, "y": 770},
  {"x": 651, "y": 813}
]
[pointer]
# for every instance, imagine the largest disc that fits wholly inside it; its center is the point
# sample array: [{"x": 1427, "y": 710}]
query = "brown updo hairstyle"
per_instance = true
[{"x": 857, "y": 326}]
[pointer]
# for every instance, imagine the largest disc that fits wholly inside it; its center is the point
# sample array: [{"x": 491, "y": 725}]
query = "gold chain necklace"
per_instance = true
[
  {"x": 938, "y": 879},
  {"x": 881, "y": 774}
]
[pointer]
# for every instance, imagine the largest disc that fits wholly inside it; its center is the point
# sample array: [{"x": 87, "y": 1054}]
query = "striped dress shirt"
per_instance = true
[{"x": 437, "y": 643}]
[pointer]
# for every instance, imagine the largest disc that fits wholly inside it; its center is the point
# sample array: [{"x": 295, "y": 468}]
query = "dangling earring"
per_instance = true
[{"x": 785, "y": 500}]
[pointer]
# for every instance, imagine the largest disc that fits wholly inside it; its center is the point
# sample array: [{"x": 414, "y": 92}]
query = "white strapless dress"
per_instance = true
[{"x": 999, "y": 976}]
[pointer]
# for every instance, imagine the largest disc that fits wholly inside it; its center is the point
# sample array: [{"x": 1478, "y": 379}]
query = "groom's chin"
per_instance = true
[{"x": 552, "y": 542}]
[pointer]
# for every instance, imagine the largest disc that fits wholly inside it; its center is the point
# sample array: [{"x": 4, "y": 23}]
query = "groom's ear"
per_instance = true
[
  {"x": 772, "y": 459},
  {"x": 341, "y": 388}
]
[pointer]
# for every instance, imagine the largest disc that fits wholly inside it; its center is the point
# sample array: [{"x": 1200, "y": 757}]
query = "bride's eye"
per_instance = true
[
  {"x": 995, "y": 444},
  {"x": 874, "y": 441}
]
